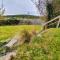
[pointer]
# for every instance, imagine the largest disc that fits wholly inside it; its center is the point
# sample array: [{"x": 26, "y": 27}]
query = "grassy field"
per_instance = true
[
  {"x": 9, "y": 31},
  {"x": 45, "y": 47}
]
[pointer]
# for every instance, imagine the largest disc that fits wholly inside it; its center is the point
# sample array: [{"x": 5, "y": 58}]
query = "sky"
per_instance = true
[{"x": 13, "y": 7}]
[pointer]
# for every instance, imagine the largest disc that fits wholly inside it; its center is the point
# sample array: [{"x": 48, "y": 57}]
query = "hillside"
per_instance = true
[{"x": 45, "y": 47}]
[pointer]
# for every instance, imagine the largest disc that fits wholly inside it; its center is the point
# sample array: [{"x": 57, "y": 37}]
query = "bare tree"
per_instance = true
[
  {"x": 41, "y": 6},
  {"x": 44, "y": 7}
]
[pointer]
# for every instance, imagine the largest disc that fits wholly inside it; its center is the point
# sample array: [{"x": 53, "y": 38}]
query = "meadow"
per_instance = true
[
  {"x": 7, "y": 32},
  {"x": 45, "y": 47}
]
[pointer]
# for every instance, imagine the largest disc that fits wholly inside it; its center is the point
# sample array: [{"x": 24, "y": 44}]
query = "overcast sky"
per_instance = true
[{"x": 19, "y": 7}]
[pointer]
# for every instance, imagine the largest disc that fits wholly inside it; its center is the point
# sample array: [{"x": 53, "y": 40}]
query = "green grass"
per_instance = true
[
  {"x": 45, "y": 47},
  {"x": 9, "y": 31}
]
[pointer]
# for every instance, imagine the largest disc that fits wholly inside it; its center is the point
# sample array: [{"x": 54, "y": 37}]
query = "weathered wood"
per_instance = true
[
  {"x": 58, "y": 23},
  {"x": 8, "y": 56},
  {"x": 12, "y": 42},
  {"x": 51, "y": 20}
]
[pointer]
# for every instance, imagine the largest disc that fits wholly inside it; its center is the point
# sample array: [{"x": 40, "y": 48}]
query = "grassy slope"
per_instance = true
[
  {"x": 46, "y": 47},
  {"x": 9, "y": 31}
]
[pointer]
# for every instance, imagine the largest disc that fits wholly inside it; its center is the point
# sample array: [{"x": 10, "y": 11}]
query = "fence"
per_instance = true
[{"x": 52, "y": 22}]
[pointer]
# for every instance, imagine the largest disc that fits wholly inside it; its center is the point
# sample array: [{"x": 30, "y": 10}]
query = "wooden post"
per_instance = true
[{"x": 58, "y": 23}]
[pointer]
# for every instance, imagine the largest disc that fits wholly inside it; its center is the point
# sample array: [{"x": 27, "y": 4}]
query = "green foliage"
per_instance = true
[
  {"x": 16, "y": 17},
  {"x": 23, "y": 16},
  {"x": 50, "y": 11}
]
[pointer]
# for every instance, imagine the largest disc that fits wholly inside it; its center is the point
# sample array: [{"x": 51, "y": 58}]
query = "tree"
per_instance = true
[
  {"x": 45, "y": 9},
  {"x": 41, "y": 6},
  {"x": 56, "y": 5},
  {"x": 50, "y": 9}
]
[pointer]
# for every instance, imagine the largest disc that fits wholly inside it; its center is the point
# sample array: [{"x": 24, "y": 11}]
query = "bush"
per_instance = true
[{"x": 9, "y": 22}]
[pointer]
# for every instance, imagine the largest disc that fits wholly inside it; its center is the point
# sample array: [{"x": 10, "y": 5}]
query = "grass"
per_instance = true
[
  {"x": 9, "y": 31},
  {"x": 45, "y": 47}
]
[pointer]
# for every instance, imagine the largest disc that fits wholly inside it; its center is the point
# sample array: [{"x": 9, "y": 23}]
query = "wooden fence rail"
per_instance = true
[{"x": 51, "y": 22}]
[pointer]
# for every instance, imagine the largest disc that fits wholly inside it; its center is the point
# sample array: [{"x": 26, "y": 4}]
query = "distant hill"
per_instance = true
[
  {"x": 23, "y": 16},
  {"x": 5, "y": 17}
]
